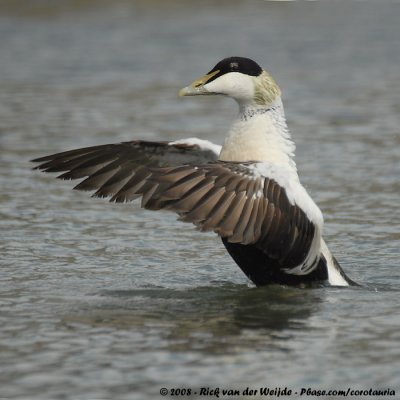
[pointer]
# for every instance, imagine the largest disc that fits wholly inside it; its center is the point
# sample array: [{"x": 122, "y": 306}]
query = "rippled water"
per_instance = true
[{"x": 107, "y": 301}]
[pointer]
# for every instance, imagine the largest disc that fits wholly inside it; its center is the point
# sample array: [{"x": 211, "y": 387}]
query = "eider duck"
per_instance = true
[{"x": 247, "y": 191}]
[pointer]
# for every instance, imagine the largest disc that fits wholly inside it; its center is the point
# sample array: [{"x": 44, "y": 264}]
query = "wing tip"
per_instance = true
[{"x": 41, "y": 159}]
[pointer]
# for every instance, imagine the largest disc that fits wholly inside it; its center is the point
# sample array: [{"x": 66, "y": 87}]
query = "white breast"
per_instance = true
[{"x": 262, "y": 137}]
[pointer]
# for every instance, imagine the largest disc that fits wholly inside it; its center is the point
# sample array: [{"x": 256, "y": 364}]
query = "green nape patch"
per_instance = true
[{"x": 266, "y": 89}]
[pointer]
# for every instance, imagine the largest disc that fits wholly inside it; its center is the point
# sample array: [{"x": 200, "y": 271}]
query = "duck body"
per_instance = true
[
  {"x": 247, "y": 191},
  {"x": 263, "y": 270}
]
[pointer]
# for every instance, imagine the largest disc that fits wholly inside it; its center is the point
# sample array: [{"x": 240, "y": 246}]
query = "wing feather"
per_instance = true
[
  {"x": 131, "y": 189},
  {"x": 98, "y": 181},
  {"x": 205, "y": 207},
  {"x": 68, "y": 160},
  {"x": 184, "y": 184},
  {"x": 193, "y": 197},
  {"x": 249, "y": 230},
  {"x": 227, "y": 225},
  {"x": 235, "y": 200},
  {"x": 156, "y": 154},
  {"x": 243, "y": 220},
  {"x": 219, "y": 212},
  {"x": 112, "y": 186}
]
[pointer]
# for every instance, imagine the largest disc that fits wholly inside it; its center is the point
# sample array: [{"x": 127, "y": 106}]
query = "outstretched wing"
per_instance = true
[
  {"x": 235, "y": 200},
  {"x": 129, "y": 156}
]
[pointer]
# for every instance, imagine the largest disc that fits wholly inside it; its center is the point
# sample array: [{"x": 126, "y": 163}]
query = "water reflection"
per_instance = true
[{"x": 209, "y": 319}]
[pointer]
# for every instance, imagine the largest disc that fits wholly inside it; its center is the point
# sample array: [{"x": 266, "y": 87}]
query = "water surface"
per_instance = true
[{"x": 107, "y": 301}]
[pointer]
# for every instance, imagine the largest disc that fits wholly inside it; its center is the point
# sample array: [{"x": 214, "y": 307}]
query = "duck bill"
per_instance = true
[{"x": 196, "y": 88}]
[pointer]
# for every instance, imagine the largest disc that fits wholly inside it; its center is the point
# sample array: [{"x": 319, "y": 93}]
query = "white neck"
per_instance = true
[{"x": 260, "y": 134}]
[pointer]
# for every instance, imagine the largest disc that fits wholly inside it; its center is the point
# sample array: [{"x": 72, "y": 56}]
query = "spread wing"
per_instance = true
[
  {"x": 235, "y": 200},
  {"x": 128, "y": 156}
]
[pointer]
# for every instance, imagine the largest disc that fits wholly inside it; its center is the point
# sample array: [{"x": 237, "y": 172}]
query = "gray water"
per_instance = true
[{"x": 107, "y": 301}]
